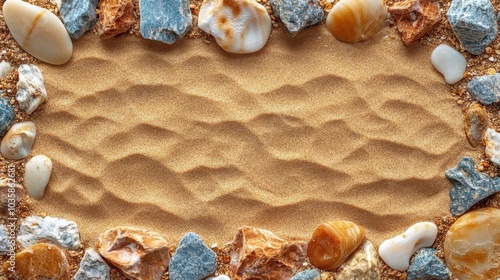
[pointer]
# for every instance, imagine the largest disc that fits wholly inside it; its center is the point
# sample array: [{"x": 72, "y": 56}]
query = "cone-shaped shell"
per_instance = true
[{"x": 333, "y": 242}]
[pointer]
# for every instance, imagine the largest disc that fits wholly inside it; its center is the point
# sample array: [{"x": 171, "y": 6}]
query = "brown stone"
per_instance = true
[
  {"x": 139, "y": 254},
  {"x": 415, "y": 18},
  {"x": 40, "y": 261},
  {"x": 5, "y": 195},
  {"x": 476, "y": 122},
  {"x": 260, "y": 255},
  {"x": 116, "y": 17}
]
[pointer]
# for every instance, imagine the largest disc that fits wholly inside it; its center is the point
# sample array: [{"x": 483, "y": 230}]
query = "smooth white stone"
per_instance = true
[
  {"x": 60, "y": 232},
  {"x": 31, "y": 90},
  {"x": 18, "y": 141},
  {"x": 396, "y": 252},
  {"x": 37, "y": 175},
  {"x": 220, "y": 277},
  {"x": 449, "y": 62},
  {"x": 38, "y": 31},
  {"x": 4, "y": 69},
  {"x": 492, "y": 150}
]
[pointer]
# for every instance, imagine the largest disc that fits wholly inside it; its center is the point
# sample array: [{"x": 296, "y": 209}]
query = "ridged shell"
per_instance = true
[
  {"x": 333, "y": 242},
  {"x": 356, "y": 20}
]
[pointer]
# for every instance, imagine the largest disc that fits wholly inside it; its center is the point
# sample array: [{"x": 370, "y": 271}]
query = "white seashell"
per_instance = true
[
  {"x": 31, "y": 90},
  {"x": 4, "y": 69},
  {"x": 396, "y": 252},
  {"x": 239, "y": 26},
  {"x": 492, "y": 150},
  {"x": 37, "y": 175},
  {"x": 18, "y": 141},
  {"x": 449, "y": 62}
]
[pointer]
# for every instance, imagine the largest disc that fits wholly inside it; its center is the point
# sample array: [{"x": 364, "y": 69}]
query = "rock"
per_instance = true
[
  {"x": 474, "y": 23},
  {"x": 18, "y": 141},
  {"x": 476, "y": 121},
  {"x": 78, "y": 16},
  {"x": 38, "y": 31},
  {"x": 259, "y": 254},
  {"x": 415, "y": 18},
  {"x": 297, "y": 14},
  {"x": 4, "y": 69},
  {"x": 397, "y": 251},
  {"x": 4, "y": 241},
  {"x": 192, "y": 260},
  {"x": 450, "y": 63},
  {"x": 6, "y": 116},
  {"x": 57, "y": 231},
  {"x": 469, "y": 186},
  {"x": 36, "y": 176},
  {"x": 311, "y": 274},
  {"x": 93, "y": 267},
  {"x": 6, "y": 196},
  {"x": 139, "y": 254},
  {"x": 472, "y": 245},
  {"x": 220, "y": 277},
  {"x": 40, "y": 261},
  {"x": 485, "y": 89},
  {"x": 30, "y": 88},
  {"x": 165, "y": 21},
  {"x": 492, "y": 150},
  {"x": 363, "y": 264},
  {"x": 426, "y": 265},
  {"x": 242, "y": 26},
  {"x": 115, "y": 17}
]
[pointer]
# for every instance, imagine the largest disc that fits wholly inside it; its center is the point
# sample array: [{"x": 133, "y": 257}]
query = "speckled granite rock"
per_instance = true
[
  {"x": 93, "y": 267},
  {"x": 426, "y": 265},
  {"x": 78, "y": 16},
  {"x": 57, "y": 231},
  {"x": 192, "y": 260},
  {"x": 31, "y": 90},
  {"x": 297, "y": 14},
  {"x": 362, "y": 264},
  {"x": 116, "y": 17},
  {"x": 6, "y": 116},
  {"x": 476, "y": 122},
  {"x": 486, "y": 89},
  {"x": 311, "y": 274}
]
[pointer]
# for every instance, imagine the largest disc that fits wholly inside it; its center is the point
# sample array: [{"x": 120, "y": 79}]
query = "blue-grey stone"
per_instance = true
[
  {"x": 469, "y": 186},
  {"x": 427, "y": 266},
  {"x": 192, "y": 260},
  {"x": 165, "y": 21},
  {"x": 486, "y": 89},
  {"x": 6, "y": 116},
  {"x": 297, "y": 14},
  {"x": 311, "y": 274},
  {"x": 78, "y": 16},
  {"x": 93, "y": 267},
  {"x": 474, "y": 22}
]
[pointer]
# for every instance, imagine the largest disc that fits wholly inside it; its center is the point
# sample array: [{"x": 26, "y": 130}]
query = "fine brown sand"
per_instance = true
[{"x": 189, "y": 138}]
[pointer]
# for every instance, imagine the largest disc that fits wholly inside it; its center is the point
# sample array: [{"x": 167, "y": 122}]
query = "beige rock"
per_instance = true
[
  {"x": 476, "y": 122},
  {"x": 6, "y": 196},
  {"x": 116, "y": 17},
  {"x": 18, "y": 141},
  {"x": 36, "y": 176},
  {"x": 363, "y": 264}
]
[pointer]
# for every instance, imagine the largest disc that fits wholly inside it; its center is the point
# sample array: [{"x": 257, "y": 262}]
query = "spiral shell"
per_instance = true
[{"x": 333, "y": 242}]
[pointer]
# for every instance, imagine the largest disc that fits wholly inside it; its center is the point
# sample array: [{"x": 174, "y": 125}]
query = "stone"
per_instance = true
[
  {"x": 165, "y": 21},
  {"x": 220, "y": 277},
  {"x": 472, "y": 245},
  {"x": 492, "y": 149},
  {"x": 38, "y": 31},
  {"x": 78, "y": 16},
  {"x": 363, "y": 264},
  {"x": 57, "y": 231},
  {"x": 426, "y": 265},
  {"x": 31, "y": 90},
  {"x": 476, "y": 121},
  {"x": 474, "y": 23},
  {"x": 5, "y": 245},
  {"x": 93, "y": 267},
  {"x": 469, "y": 186},
  {"x": 242, "y": 26},
  {"x": 4, "y": 69},
  {"x": 415, "y": 18},
  {"x": 40, "y": 261},
  {"x": 310, "y": 274},
  {"x": 6, "y": 196},
  {"x": 397, "y": 251},
  {"x": 450, "y": 63},
  {"x": 115, "y": 17},
  {"x": 297, "y": 14},
  {"x": 6, "y": 116},
  {"x": 485, "y": 89},
  {"x": 192, "y": 260},
  {"x": 36, "y": 176},
  {"x": 18, "y": 141},
  {"x": 139, "y": 254},
  {"x": 259, "y": 254}
]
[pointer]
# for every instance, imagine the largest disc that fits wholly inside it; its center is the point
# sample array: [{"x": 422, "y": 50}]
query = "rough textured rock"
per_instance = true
[
  {"x": 259, "y": 254},
  {"x": 37, "y": 175},
  {"x": 486, "y": 89},
  {"x": 116, "y": 17},
  {"x": 139, "y": 254},
  {"x": 57, "y": 231},
  {"x": 6, "y": 116},
  {"x": 17, "y": 194},
  {"x": 30, "y": 88},
  {"x": 93, "y": 267},
  {"x": 492, "y": 150},
  {"x": 18, "y": 141},
  {"x": 4, "y": 240},
  {"x": 363, "y": 264},
  {"x": 476, "y": 121},
  {"x": 474, "y": 23},
  {"x": 426, "y": 265},
  {"x": 297, "y": 14},
  {"x": 78, "y": 16},
  {"x": 449, "y": 62},
  {"x": 469, "y": 186},
  {"x": 311, "y": 274},
  {"x": 4, "y": 69},
  {"x": 165, "y": 21}
]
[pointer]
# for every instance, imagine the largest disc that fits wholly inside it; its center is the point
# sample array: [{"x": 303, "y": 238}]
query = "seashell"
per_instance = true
[
  {"x": 356, "y": 20},
  {"x": 37, "y": 175},
  {"x": 239, "y": 26},
  {"x": 333, "y": 242},
  {"x": 17, "y": 143}
]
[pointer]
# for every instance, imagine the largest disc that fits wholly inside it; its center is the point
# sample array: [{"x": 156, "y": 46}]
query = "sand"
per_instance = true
[{"x": 189, "y": 138}]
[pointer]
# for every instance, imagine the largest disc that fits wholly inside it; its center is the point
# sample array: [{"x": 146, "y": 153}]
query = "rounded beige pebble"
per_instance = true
[
  {"x": 17, "y": 143},
  {"x": 37, "y": 175}
]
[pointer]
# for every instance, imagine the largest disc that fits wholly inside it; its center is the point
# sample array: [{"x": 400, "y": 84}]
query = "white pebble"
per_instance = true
[
  {"x": 449, "y": 62},
  {"x": 18, "y": 141},
  {"x": 220, "y": 277},
  {"x": 4, "y": 69},
  {"x": 31, "y": 90},
  {"x": 492, "y": 150},
  {"x": 37, "y": 175}
]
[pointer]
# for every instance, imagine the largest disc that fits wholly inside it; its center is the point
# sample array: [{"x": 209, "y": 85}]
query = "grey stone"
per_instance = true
[
  {"x": 165, "y": 21},
  {"x": 469, "y": 186},
  {"x": 93, "y": 267},
  {"x": 193, "y": 260},
  {"x": 427, "y": 266},
  {"x": 297, "y": 14},
  {"x": 6, "y": 116},
  {"x": 474, "y": 23},
  {"x": 31, "y": 90},
  {"x": 311, "y": 274},
  {"x": 78, "y": 16},
  {"x": 486, "y": 89},
  {"x": 57, "y": 231},
  {"x": 4, "y": 240}
]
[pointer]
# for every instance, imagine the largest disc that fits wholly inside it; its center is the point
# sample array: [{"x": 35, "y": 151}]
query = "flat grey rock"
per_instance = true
[
  {"x": 78, "y": 16},
  {"x": 297, "y": 14},
  {"x": 6, "y": 115},
  {"x": 427, "y": 266},
  {"x": 311, "y": 274},
  {"x": 93, "y": 267},
  {"x": 4, "y": 240},
  {"x": 192, "y": 260},
  {"x": 485, "y": 89}
]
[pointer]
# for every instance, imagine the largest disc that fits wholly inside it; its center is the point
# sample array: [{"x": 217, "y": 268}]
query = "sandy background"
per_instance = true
[{"x": 189, "y": 138}]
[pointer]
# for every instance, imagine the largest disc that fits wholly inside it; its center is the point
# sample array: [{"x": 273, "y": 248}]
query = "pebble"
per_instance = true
[
  {"x": 396, "y": 252},
  {"x": 31, "y": 90},
  {"x": 238, "y": 26},
  {"x": 311, "y": 274},
  {"x": 165, "y": 21},
  {"x": 115, "y": 17},
  {"x": 220, "y": 277},
  {"x": 449, "y": 62},
  {"x": 57, "y": 231},
  {"x": 363, "y": 264},
  {"x": 4, "y": 240},
  {"x": 476, "y": 121},
  {"x": 18, "y": 141},
  {"x": 297, "y": 14},
  {"x": 4, "y": 69},
  {"x": 93, "y": 267},
  {"x": 485, "y": 88},
  {"x": 6, "y": 196},
  {"x": 192, "y": 260},
  {"x": 469, "y": 186},
  {"x": 492, "y": 150},
  {"x": 472, "y": 245},
  {"x": 36, "y": 176},
  {"x": 40, "y": 32},
  {"x": 78, "y": 16},
  {"x": 6, "y": 116},
  {"x": 474, "y": 23},
  {"x": 426, "y": 265}
]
